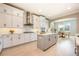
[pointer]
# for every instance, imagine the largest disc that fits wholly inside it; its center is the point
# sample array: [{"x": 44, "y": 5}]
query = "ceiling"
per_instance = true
[{"x": 50, "y": 10}]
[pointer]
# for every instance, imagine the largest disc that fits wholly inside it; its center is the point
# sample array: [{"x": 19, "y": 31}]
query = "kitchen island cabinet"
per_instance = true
[{"x": 44, "y": 41}]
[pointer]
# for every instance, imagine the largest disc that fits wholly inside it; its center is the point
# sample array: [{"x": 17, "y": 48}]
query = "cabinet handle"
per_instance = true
[{"x": 4, "y": 25}]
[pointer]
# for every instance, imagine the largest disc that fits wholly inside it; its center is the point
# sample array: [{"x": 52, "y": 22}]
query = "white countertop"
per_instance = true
[{"x": 46, "y": 33}]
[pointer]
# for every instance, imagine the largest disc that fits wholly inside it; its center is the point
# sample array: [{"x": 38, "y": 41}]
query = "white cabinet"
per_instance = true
[
  {"x": 33, "y": 36},
  {"x": 17, "y": 22},
  {"x": 46, "y": 41},
  {"x": 43, "y": 42},
  {"x": 8, "y": 21},
  {"x": 7, "y": 41},
  {"x": 1, "y": 44},
  {"x": 10, "y": 17},
  {"x": 27, "y": 37},
  {"x": 16, "y": 39},
  {"x": 1, "y": 9},
  {"x": 36, "y": 22},
  {"x": 17, "y": 18},
  {"x": 44, "y": 23},
  {"x": 2, "y": 18},
  {"x": 20, "y": 39},
  {"x": 11, "y": 40}
]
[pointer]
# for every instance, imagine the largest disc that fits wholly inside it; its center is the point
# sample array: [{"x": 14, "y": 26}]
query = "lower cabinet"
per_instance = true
[
  {"x": 43, "y": 42},
  {"x": 7, "y": 41},
  {"x": 46, "y": 41},
  {"x": 33, "y": 36},
  {"x": 53, "y": 39},
  {"x": 16, "y": 39},
  {"x": 1, "y": 44}
]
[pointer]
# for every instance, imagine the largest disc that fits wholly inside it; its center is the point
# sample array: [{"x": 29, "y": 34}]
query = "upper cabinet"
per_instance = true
[
  {"x": 28, "y": 19},
  {"x": 44, "y": 24},
  {"x": 11, "y": 17},
  {"x": 40, "y": 23},
  {"x": 36, "y": 23}
]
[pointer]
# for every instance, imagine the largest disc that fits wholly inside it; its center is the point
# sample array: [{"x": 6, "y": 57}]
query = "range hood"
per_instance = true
[{"x": 29, "y": 20}]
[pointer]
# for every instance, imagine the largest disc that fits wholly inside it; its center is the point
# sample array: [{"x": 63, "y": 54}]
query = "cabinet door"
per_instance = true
[
  {"x": 8, "y": 20},
  {"x": 46, "y": 41},
  {"x": 1, "y": 8},
  {"x": 7, "y": 41},
  {"x": 1, "y": 44},
  {"x": 2, "y": 17},
  {"x": 2, "y": 20},
  {"x": 26, "y": 37},
  {"x": 14, "y": 21},
  {"x": 15, "y": 39},
  {"x": 22, "y": 39},
  {"x": 17, "y": 22},
  {"x": 51, "y": 42},
  {"x": 33, "y": 37},
  {"x": 8, "y": 9}
]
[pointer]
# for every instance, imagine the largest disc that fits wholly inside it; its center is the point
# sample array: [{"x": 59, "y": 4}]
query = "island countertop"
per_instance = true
[{"x": 47, "y": 33}]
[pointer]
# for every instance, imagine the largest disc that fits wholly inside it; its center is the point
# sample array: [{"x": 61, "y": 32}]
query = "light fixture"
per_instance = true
[
  {"x": 39, "y": 10},
  {"x": 69, "y": 8}
]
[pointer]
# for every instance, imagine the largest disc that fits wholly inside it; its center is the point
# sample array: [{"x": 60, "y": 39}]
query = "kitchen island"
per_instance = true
[{"x": 45, "y": 41}]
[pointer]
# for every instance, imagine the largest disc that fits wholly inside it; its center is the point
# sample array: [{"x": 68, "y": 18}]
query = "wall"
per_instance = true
[
  {"x": 76, "y": 15},
  {"x": 72, "y": 22}
]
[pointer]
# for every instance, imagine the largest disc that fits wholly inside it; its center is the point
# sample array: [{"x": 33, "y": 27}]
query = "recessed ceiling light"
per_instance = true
[
  {"x": 40, "y": 11},
  {"x": 69, "y": 8}
]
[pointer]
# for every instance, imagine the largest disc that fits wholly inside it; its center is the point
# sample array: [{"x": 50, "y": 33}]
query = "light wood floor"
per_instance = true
[{"x": 64, "y": 47}]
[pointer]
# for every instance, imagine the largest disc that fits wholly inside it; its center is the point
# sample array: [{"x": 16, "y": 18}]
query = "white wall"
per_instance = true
[{"x": 64, "y": 22}]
